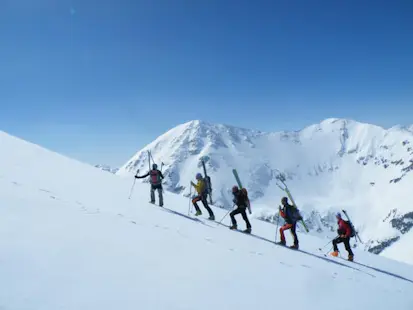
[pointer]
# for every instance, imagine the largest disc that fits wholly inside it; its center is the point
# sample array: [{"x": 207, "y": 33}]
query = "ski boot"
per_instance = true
[
  {"x": 197, "y": 213},
  {"x": 294, "y": 247},
  {"x": 233, "y": 227},
  {"x": 281, "y": 243},
  {"x": 211, "y": 218},
  {"x": 248, "y": 230},
  {"x": 351, "y": 258},
  {"x": 335, "y": 253}
]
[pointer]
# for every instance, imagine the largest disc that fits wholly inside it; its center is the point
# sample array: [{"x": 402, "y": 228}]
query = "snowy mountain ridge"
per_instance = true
[
  {"x": 332, "y": 165},
  {"x": 107, "y": 168}
]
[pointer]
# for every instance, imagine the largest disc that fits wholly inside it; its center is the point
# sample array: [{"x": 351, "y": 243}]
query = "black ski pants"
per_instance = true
[
  {"x": 346, "y": 242},
  {"x": 160, "y": 190},
  {"x": 243, "y": 212},
  {"x": 203, "y": 199}
]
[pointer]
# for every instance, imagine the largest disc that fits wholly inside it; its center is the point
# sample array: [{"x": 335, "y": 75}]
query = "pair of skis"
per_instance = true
[
  {"x": 153, "y": 161},
  {"x": 203, "y": 160},
  {"x": 284, "y": 187},
  {"x": 351, "y": 223},
  {"x": 235, "y": 173}
]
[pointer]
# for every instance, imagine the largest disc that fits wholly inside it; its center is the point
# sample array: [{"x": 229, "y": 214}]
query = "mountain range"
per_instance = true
[{"x": 334, "y": 165}]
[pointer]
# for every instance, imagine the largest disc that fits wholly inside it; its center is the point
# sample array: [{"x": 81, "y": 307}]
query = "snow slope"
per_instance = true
[
  {"x": 333, "y": 165},
  {"x": 71, "y": 239}
]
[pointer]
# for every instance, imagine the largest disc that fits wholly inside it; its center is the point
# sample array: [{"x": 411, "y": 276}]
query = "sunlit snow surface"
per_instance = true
[{"x": 71, "y": 239}]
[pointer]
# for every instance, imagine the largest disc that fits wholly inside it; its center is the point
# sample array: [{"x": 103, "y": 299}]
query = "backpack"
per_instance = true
[
  {"x": 244, "y": 194},
  {"x": 208, "y": 184},
  {"x": 155, "y": 177},
  {"x": 352, "y": 229},
  {"x": 295, "y": 214}
]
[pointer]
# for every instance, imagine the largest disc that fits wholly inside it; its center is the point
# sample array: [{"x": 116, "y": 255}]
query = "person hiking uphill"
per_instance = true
[
  {"x": 344, "y": 235},
  {"x": 202, "y": 190},
  {"x": 155, "y": 180},
  {"x": 242, "y": 202},
  {"x": 288, "y": 213}
]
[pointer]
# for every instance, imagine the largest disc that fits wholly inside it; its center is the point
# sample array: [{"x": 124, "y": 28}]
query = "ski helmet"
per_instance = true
[
  {"x": 284, "y": 200},
  {"x": 154, "y": 166},
  {"x": 235, "y": 189},
  {"x": 338, "y": 215},
  {"x": 198, "y": 176}
]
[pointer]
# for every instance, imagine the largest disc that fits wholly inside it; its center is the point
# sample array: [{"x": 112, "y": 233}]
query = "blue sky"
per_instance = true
[{"x": 97, "y": 80}]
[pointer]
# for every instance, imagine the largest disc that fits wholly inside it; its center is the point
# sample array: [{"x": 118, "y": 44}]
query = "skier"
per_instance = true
[
  {"x": 289, "y": 213},
  {"x": 344, "y": 235},
  {"x": 155, "y": 179},
  {"x": 242, "y": 202},
  {"x": 202, "y": 190}
]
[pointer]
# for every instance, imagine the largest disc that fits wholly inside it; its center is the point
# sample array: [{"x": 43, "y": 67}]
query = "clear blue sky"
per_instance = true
[{"x": 97, "y": 80}]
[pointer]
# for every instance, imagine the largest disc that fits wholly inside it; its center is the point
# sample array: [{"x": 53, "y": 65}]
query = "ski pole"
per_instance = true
[
  {"x": 276, "y": 232},
  {"x": 190, "y": 196},
  {"x": 225, "y": 215},
  {"x": 133, "y": 185},
  {"x": 328, "y": 251},
  {"x": 320, "y": 249}
]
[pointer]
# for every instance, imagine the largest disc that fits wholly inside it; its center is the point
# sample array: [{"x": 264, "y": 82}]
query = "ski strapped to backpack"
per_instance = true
[
  {"x": 244, "y": 190},
  {"x": 281, "y": 178},
  {"x": 203, "y": 160},
  {"x": 354, "y": 233}
]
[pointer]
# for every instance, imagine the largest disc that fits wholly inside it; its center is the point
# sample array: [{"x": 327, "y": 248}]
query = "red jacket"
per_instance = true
[{"x": 344, "y": 228}]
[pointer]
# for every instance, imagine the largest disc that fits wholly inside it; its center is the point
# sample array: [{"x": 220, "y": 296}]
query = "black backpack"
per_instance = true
[
  {"x": 352, "y": 229},
  {"x": 208, "y": 184}
]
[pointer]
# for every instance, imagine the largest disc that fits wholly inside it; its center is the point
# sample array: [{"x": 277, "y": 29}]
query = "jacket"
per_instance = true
[
  {"x": 287, "y": 214},
  {"x": 200, "y": 187},
  {"x": 240, "y": 200},
  {"x": 156, "y": 174},
  {"x": 344, "y": 228}
]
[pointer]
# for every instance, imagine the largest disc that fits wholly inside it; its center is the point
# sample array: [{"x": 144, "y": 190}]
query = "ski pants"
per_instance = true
[
  {"x": 202, "y": 198},
  {"x": 286, "y": 227},
  {"x": 159, "y": 189},
  {"x": 346, "y": 242},
  {"x": 243, "y": 212}
]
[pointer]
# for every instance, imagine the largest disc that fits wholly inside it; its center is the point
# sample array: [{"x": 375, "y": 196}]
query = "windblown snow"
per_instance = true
[
  {"x": 71, "y": 239},
  {"x": 337, "y": 164}
]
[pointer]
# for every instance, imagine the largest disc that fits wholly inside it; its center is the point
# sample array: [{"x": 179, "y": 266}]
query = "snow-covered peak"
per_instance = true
[{"x": 337, "y": 163}]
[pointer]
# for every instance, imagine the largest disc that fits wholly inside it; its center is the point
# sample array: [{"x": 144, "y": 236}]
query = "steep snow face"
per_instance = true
[
  {"x": 71, "y": 239},
  {"x": 329, "y": 166}
]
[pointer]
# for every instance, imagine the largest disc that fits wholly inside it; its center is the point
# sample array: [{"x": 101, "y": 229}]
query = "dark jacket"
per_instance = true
[
  {"x": 287, "y": 213},
  {"x": 240, "y": 200},
  {"x": 156, "y": 177}
]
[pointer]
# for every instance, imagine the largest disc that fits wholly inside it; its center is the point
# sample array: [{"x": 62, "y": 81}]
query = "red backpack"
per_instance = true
[{"x": 155, "y": 177}]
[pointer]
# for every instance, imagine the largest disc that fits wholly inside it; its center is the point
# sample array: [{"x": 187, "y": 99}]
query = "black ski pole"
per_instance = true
[
  {"x": 278, "y": 221},
  {"x": 320, "y": 249},
  {"x": 190, "y": 196},
  {"x": 133, "y": 185},
  {"x": 225, "y": 215},
  {"x": 328, "y": 251}
]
